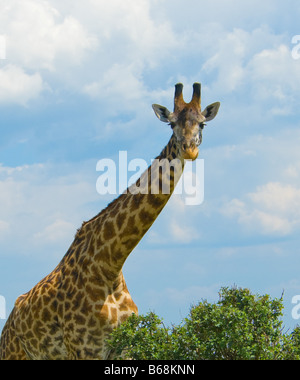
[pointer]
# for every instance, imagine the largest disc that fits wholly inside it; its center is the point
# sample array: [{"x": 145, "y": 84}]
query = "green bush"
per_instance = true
[{"x": 240, "y": 326}]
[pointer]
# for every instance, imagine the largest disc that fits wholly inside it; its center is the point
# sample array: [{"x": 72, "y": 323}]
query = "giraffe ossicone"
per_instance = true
[{"x": 72, "y": 311}]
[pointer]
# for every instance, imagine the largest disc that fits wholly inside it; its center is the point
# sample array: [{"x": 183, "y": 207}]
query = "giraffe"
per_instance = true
[{"x": 71, "y": 312}]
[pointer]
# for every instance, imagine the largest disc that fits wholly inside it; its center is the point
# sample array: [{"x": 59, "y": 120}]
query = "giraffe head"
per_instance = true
[{"x": 187, "y": 120}]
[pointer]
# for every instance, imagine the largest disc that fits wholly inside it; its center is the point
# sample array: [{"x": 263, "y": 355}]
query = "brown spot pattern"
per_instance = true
[{"x": 70, "y": 313}]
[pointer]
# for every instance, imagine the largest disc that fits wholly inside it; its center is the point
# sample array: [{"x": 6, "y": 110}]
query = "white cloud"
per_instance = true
[
  {"x": 257, "y": 64},
  {"x": 120, "y": 86},
  {"x": 194, "y": 13},
  {"x": 39, "y": 37},
  {"x": 194, "y": 293},
  {"x": 4, "y": 228},
  {"x": 178, "y": 223},
  {"x": 184, "y": 297},
  {"x": 274, "y": 209},
  {"x": 127, "y": 30},
  {"x": 277, "y": 77},
  {"x": 228, "y": 59},
  {"x": 18, "y": 87},
  {"x": 282, "y": 198},
  {"x": 55, "y": 233},
  {"x": 93, "y": 47},
  {"x": 109, "y": 48},
  {"x": 182, "y": 233},
  {"x": 42, "y": 207},
  {"x": 292, "y": 170}
]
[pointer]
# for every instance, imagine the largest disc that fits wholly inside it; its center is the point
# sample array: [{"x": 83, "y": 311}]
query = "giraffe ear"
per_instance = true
[
  {"x": 162, "y": 113},
  {"x": 211, "y": 111}
]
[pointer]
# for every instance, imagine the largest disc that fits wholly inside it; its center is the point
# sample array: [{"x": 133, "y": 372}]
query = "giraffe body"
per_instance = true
[
  {"x": 71, "y": 312},
  {"x": 49, "y": 323}
]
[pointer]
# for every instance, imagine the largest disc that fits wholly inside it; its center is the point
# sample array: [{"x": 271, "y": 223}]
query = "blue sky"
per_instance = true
[{"x": 77, "y": 86}]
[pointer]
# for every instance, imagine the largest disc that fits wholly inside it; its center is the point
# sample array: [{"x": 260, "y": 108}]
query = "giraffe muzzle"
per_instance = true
[{"x": 189, "y": 150}]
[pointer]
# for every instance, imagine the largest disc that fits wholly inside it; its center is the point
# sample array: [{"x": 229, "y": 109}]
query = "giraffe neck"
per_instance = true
[{"x": 109, "y": 238}]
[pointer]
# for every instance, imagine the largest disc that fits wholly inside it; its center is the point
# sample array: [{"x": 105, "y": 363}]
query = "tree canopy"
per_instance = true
[{"x": 240, "y": 326}]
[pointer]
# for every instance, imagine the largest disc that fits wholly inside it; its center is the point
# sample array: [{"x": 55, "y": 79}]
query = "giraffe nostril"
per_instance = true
[{"x": 188, "y": 145}]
